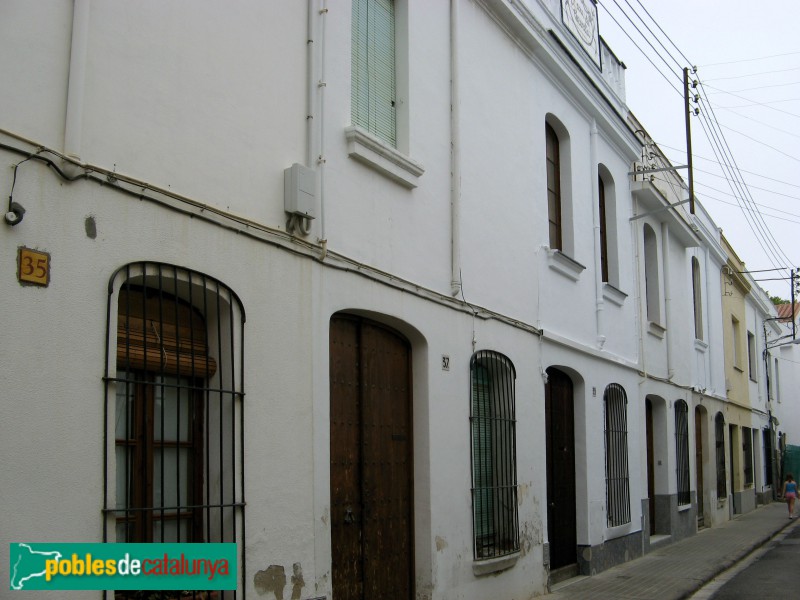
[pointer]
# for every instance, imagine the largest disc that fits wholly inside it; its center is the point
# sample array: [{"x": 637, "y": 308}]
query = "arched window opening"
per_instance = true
[
  {"x": 494, "y": 463},
  {"x": 617, "y": 479}
]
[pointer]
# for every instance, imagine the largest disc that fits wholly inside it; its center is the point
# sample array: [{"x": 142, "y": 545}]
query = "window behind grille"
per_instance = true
[
  {"x": 494, "y": 464},
  {"x": 174, "y": 396},
  {"x": 747, "y": 453},
  {"x": 682, "y": 451},
  {"x": 719, "y": 434},
  {"x": 617, "y": 481}
]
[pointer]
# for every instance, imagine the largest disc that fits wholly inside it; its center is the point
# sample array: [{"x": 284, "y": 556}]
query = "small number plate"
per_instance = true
[{"x": 33, "y": 266}]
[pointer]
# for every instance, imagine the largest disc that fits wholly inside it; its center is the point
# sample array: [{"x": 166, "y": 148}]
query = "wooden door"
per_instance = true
[
  {"x": 371, "y": 462},
  {"x": 698, "y": 454},
  {"x": 560, "y": 432},
  {"x": 651, "y": 466}
]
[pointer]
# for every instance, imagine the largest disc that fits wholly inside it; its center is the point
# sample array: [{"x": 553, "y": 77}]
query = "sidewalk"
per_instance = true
[{"x": 676, "y": 571}]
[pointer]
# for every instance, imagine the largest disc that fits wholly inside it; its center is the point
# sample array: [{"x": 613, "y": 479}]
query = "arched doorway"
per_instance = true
[
  {"x": 561, "y": 495},
  {"x": 372, "y": 519}
]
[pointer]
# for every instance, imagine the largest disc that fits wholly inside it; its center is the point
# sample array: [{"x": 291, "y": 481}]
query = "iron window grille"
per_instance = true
[
  {"x": 174, "y": 446},
  {"x": 747, "y": 452},
  {"x": 719, "y": 430},
  {"x": 617, "y": 481},
  {"x": 768, "y": 457},
  {"x": 494, "y": 462},
  {"x": 682, "y": 451}
]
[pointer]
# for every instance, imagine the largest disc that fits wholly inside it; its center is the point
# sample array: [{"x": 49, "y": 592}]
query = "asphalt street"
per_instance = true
[{"x": 772, "y": 571}]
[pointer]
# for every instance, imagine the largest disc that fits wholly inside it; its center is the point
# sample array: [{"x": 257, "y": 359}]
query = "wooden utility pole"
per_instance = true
[{"x": 688, "y": 113}]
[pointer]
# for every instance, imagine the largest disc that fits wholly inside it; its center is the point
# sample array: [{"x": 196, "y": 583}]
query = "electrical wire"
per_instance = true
[
  {"x": 660, "y": 145},
  {"x": 622, "y": 29},
  {"x": 765, "y": 238},
  {"x": 734, "y": 62},
  {"x": 762, "y": 123},
  {"x": 758, "y": 87},
  {"x": 713, "y": 130},
  {"x": 754, "y": 74}
]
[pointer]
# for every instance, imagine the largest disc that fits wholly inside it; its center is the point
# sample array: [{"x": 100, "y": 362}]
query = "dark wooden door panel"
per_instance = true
[
  {"x": 698, "y": 445},
  {"x": 346, "y": 500},
  {"x": 651, "y": 466},
  {"x": 371, "y": 462},
  {"x": 561, "y": 494}
]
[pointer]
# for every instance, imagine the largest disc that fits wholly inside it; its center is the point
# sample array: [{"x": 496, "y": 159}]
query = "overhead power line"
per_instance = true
[
  {"x": 733, "y": 62},
  {"x": 657, "y": 39},
  {"x": 754, "y": 74}
]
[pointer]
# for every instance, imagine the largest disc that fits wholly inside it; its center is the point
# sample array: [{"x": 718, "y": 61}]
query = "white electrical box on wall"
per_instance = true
[{"x": 300, "y": 191}]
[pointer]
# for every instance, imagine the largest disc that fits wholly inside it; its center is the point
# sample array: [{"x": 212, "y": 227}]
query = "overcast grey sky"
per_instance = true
[{"x": 747, "y": 56}]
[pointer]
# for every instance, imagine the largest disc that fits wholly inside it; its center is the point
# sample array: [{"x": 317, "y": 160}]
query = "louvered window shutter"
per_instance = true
[{"x": 373, "y": 66}]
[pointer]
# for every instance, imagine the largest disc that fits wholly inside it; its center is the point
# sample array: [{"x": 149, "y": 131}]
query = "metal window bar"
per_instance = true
[
  {"x": 494, "y": 471},
  {"x": 768, "y": 457},
  {"x": 616, "y": 441},
  {"x": 719, "y": 427},
  {"x": 747, "y": 451},
  {"x": 176, "y": 391},
  {"x": 682, "y": 451}
]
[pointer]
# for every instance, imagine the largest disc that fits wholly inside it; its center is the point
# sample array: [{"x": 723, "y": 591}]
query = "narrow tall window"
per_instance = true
[
  {"x": 176, "y": 402},
  {"x": 617, "y": 481},
  {"x": 736, "y": 333},
  {"x": 682, "y": 451},
  {"x": 373, "y": 86},
  {"x": 553, "y": 189},
  {"x": 494, "y": 463},
  {"x": 651, "y": 281},
  {"x": 719, "y": 440},
  {"x": 747, "y": 455},
  {"x": 697, "y": 296},
  {"x": 603, "y": 228},
  {"x": 752, "y": 365},
  {"x": 776, "y": 393}
]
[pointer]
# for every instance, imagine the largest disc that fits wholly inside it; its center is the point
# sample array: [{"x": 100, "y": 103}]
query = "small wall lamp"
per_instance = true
[{"x": 15, "y": 213}]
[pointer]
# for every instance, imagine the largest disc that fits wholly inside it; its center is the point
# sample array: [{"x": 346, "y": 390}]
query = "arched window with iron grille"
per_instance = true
[
  {"x": 617, "y": 480},
  {"x": 174, "y": 408},
  {"x": 494, "y": 455}
]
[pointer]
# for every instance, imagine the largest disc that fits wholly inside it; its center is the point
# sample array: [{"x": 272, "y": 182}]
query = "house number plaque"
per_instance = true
[{"x": 33, "y": 266}]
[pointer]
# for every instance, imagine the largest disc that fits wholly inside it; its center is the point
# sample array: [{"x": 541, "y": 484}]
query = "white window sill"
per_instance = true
[
  {"x": 563, "y": 264},
  {"x": 614, "y": 295},
  {"x": 494, "y": 565},
  {"x": 380, "y": 156},
  {"x": 656, "y": 330},
  {"x": 684, "y": 507},
  {"x": 700, "y": 346}
]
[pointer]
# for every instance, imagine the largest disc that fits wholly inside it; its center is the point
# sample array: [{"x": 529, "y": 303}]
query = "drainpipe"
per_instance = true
[
  {"x": 667, "y": 296},
  {"x": 712, "y": 383},
  {"x": 76, "y": 84},
  {"x": 455, "y": 184},
  {"x": 598, "y": 288},
  {"x": 641, "y": 313},
  {"x": 321, "y": 159}
]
